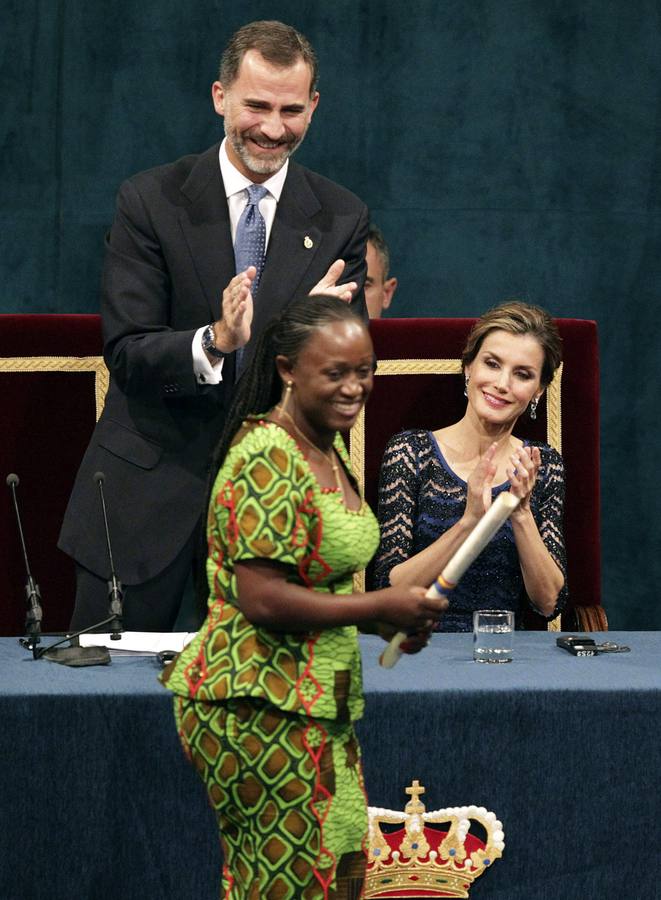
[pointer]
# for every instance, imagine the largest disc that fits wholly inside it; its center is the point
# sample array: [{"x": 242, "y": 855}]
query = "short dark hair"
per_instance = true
[
  {"x": 376, "y": 238},
  {"x": 517, "y": 317},
  {"x": 279, "y": 44}
]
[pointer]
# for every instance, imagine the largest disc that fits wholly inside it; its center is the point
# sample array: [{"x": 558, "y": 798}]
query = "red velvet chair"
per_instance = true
[
  {"x": 419, "y": 385},
  {"x": 52, "y": 385}
]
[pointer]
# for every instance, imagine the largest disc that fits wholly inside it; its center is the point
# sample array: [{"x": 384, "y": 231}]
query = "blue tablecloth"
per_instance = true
[{"x": 98, "y": 800}]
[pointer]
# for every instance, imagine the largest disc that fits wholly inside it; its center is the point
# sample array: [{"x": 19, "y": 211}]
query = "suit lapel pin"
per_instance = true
[{"x": 308, "y": 242}]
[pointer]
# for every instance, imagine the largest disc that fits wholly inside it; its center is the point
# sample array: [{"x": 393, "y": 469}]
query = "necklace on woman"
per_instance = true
[{"x": 330, "y": 457}]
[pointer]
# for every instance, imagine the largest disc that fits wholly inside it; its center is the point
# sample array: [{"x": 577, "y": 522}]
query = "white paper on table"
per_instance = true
[{"x": 140, "y": 641}]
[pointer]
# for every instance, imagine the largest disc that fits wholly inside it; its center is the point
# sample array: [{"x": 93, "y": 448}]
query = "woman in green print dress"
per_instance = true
[{"x": 268, "y": 691}]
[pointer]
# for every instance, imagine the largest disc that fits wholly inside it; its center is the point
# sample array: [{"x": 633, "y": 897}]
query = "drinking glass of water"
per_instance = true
[{"x": 493, "y": 635}]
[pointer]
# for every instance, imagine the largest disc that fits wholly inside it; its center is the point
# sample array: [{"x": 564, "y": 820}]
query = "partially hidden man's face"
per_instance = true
[
  {"x": 267, "y": 111},
  {"x": 378, "y": 288}
]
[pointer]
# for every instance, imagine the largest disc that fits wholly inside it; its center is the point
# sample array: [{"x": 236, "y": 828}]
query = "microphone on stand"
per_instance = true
[
  {"x": 75, "y": 655},
  {"x": 33, "y": 596},
  {"x": 115, "y": 594}
]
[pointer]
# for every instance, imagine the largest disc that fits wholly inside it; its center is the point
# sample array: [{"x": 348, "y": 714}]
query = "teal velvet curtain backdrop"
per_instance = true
[{"x": 505, "y": 147}]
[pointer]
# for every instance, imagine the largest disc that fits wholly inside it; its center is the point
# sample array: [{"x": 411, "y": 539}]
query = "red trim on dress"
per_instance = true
[
  {"x": 230, "y": 881},
  {"x": 320, "y": 793},
  {"x": 300, "y": 538}
]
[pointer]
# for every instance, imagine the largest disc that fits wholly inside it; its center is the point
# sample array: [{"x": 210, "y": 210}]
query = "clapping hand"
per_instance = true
[
  {"x": 233, "y": 329},
  {"x": 480, "y": 482},
  {"x": 329, "y": 286},
  {"x": 522, "y": 474}
]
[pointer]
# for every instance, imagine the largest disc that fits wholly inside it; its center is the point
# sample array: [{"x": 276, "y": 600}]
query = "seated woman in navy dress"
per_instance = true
[{"x": 435, "y": 486}]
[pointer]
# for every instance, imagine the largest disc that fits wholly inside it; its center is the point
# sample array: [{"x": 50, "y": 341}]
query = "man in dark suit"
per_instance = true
[{"x": 175, "y": 310}]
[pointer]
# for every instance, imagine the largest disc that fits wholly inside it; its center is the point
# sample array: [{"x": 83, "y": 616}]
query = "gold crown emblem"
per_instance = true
[{"x": 436, "y": 854}]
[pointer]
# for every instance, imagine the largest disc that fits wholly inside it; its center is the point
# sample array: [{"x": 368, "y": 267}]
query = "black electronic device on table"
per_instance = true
[{"x": 582, "y": 645}]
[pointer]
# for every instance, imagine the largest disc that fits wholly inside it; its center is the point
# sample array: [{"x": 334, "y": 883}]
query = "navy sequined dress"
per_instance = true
[{"x": 420, "y": 497}]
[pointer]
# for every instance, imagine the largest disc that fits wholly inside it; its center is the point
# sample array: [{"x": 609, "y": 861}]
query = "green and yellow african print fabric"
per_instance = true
[
  {"x": 288, "y": 795},
  {"x": 267, "y": 504},
  {"x": 265, "y": 717}
]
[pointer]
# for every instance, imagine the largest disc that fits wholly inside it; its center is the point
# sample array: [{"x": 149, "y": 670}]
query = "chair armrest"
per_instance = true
[{"x": 585, "y": 618}]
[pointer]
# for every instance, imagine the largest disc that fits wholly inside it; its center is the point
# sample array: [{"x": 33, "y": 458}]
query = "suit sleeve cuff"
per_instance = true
[{"x": 205, "y": 371}]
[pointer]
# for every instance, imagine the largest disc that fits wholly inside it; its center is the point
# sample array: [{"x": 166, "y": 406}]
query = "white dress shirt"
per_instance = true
[{"x": 237, "y": 200}]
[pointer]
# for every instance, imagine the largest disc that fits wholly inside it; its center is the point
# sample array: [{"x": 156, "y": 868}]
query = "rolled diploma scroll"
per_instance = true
[{"x": 499, "y": 511}]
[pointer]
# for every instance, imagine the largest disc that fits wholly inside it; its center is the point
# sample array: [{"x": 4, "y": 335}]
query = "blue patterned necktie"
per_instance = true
[
  {"x": 250, "y": 240},
  {"x": 249, "y": 246}
]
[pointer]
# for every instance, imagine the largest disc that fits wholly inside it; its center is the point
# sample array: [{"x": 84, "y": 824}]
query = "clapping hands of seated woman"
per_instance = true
[
  {"x": 522, "y": 474},
  {"x": 480, "y": 482}
]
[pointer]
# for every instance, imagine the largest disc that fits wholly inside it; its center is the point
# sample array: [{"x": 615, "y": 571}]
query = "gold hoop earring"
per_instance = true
[{"x": 285, "y": 400}]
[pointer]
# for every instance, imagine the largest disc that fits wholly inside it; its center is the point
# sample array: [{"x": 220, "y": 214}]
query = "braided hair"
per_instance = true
[{"x": 260, "y": 387}]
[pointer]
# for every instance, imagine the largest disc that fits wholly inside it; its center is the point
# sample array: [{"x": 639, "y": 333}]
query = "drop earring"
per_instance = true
[
  {"x": 533, "y": 408},
  {"x": 466, "y": 380},
  {"x": 285, "y": 400}
]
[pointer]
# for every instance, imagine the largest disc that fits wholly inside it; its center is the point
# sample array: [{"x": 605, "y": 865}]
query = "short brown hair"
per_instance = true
[
  {"x": 279, "y": 44},
  {"x": 517, "y": 317}
]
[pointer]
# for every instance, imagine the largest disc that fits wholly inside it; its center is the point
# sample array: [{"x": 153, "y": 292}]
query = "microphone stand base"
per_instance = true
[
  {"x": 78, "y": 656},
  {"x": 74, "y": 654}
]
